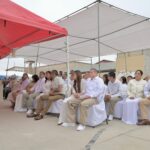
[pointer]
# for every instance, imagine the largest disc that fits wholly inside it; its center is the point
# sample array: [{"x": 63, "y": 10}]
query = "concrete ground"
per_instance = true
[{"x": 20, "y": 133}]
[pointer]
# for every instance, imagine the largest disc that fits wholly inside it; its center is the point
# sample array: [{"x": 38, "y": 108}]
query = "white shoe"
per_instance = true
[
  {"x": 80, "y": 127},
  {"x": 30, "y": 111},
  {"x": 68, "y": 124},
  {"x": 110, "y": 118},
  {"x": 59, "y": 122}
]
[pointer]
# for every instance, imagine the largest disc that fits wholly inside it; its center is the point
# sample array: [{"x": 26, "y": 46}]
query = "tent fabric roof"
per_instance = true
[
  {"x": 19, "y": 27},
  {"x": 120, "y": 31}
]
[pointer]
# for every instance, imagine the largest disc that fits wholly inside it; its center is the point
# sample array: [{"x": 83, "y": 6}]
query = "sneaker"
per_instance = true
[
  {"x": 68, "y": 124},
  {"x": 32, "y": 115},
  {"x": 29, "y": 112},
  {"x": 80, "y": 127},
  {"x": 110, "y": 118},
  {"x": 59, "y": 122}
]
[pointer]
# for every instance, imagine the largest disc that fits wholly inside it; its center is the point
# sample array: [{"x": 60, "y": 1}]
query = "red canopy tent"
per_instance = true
[{"x": 19, "y": 27}]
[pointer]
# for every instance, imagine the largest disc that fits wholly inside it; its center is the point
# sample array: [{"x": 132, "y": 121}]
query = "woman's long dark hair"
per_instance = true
[
  {"x": 35, "y": 78},
  {"x": 77, "y": 81},
  {"x": 46, "y": 79},
  {"x": 105, "y": 77},
  {"x": 124, "y": 80}
]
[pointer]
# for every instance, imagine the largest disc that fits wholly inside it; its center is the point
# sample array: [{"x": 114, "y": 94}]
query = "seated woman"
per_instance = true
[
  {"x": 38, "y": 88},
  {"x": 29, "y": 90},
  {"x": 135, "y": 94},
  {"x": 124, "y": 86},
  {"x": 76, "y": 87},
  {"x": 18, "y": 89}
]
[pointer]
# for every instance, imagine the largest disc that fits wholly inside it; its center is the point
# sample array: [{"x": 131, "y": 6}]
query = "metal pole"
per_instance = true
[
  {"x": 68, "y": 66},
  {"x": 98, "y": 35},
  {"x": 24, "y": 65},
  {"x": 7, "y": 66},
  {"x": 37, "y": 59},
  {"x": 91, "y": 63},
  {"x": 125, "y": 59}
]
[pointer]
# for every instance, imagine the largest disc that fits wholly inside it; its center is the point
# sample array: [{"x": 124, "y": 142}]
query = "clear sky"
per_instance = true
[{"x": 56, "y": 9}]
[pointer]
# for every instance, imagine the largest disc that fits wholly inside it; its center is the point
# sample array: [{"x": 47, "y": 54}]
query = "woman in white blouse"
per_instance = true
[
  {"x": 48, "y": 81},
  {"x": 135, "y": 94},
  {"x": 124, "y": 86}
]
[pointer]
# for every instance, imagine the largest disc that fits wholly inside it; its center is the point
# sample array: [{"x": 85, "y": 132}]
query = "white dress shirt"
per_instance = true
[
  {"x": 114, "y": 88},
  {"x": 94, "y": 87},
  {"x": 47, "y": 87},
  {"x": 57, "y": 82}
]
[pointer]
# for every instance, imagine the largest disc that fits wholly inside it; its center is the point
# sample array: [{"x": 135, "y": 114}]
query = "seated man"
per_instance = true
[
  {"x": 93, "y": 89},
  {"x": 113, "y": 93},
  {"x": 57, "y": 92},
  {"x": 145, "y": 106}
]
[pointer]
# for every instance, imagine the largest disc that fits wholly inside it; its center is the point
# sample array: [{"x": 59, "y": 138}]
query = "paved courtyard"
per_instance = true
[{"x": 20, "y": 133}]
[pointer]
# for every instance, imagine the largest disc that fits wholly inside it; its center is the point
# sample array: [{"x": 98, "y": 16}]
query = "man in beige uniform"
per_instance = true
[
  {"x": 145, "y": 106},
  {"x": 57, "y": 92}
]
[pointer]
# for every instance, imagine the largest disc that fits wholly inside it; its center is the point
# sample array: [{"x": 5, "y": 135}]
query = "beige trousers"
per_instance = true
[
  {"x": 112, "y": 104},
  {"x": 144, "y": 108},
  {"x": 84, "y": 105},
  {"x": 28, "y": 99},
  {"x": 41, "y": 108}
]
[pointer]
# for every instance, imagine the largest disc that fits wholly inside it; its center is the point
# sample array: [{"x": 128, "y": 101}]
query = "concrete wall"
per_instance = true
[
  {"x": 133, "y": 61},
  {"x": 83, "y": 67},
  {"x": 147, "y": 62}
]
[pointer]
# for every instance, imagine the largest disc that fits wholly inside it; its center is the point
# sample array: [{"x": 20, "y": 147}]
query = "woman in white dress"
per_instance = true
[
  {"x": 135, "y": 94},
  {"x": 124, "y": 87},
  {"x": 77, "y": 86},
  {"x": 118, "y": 112}
]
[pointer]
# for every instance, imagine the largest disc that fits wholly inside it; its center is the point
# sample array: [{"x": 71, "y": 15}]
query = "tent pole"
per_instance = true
[
  {"x": 24, "y": 65},
  {"x": 91, "y": 63},
  {"x": 98, "y": 35},
  {"x": 37, "y": 59},
  {"x": 68, "y": 66},
  {"x": 7, "y": 66},
  {"x": 125, "y": 59}
]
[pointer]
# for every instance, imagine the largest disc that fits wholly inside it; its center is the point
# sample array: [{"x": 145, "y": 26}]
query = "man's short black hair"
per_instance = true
[{"x": 112, "y": 74}]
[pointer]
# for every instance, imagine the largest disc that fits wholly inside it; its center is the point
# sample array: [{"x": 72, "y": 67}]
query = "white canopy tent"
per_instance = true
[{"x": 98, "y": 29}]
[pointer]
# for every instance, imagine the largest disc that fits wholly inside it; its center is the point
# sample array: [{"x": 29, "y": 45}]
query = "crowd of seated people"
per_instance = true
[{"x": 81, "y": 92}]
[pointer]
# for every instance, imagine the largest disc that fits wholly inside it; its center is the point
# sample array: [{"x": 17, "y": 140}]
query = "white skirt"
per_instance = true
[{"x": 130, "y": 111}]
